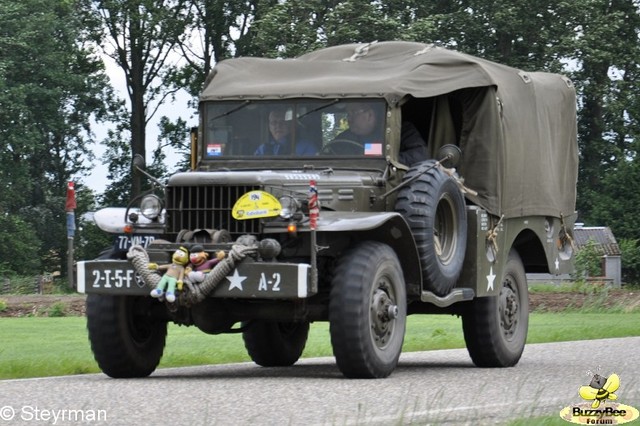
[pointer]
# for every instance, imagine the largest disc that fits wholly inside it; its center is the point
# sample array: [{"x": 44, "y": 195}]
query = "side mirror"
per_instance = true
[
  {"x": 449, "y": 155},
  {"x": 138, "y": 162},
  {"x": 138, "y": 165}
]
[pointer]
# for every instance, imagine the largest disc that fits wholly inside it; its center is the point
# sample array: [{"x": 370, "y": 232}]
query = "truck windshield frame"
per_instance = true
[{"x": 293, "y": 129}]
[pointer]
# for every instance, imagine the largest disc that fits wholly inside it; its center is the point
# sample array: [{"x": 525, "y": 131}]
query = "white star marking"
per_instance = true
[
  {"x": 557, "y": 264},
  {"x": 235, "y": 280},
  {"x": 490, "y": 279}
]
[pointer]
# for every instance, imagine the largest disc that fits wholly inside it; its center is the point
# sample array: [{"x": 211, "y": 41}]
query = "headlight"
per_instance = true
[
  {"x": 151, "y": 207},
  {"x": 289, "y": 207}
]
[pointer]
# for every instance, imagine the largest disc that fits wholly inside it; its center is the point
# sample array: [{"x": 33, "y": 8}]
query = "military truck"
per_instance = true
[{"x": 354, "y": 232}]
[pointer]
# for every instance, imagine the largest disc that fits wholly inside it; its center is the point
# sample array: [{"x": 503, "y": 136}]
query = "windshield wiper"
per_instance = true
[
  {"x": 335, "y": 101},
  {"x": 231, "y": 111}
]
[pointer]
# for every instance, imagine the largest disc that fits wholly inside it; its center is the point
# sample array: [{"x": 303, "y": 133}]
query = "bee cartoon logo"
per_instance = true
[
  {"x": 599, "y": 409},
  {"x": 600, "y": 389}
]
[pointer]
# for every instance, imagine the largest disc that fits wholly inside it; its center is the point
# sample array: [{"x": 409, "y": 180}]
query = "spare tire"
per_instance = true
[{"x": 434, "y": 208}]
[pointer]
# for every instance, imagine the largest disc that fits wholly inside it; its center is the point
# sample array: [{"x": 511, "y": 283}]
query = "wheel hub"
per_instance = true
[
  {"x": 508, "y": 310},
  {"x": 383, "y": 313}
]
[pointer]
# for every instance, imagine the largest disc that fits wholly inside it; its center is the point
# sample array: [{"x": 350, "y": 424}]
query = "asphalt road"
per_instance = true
[{"x": 437, "y": 387}]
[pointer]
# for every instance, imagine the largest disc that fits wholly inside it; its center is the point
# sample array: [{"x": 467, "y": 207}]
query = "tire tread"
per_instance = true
[
  {"x": 347, "y": 317},
  {"x": 116, "y": 355}
]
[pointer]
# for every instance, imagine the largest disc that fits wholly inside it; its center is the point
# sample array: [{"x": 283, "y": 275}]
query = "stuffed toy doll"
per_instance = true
[
  {"x": 174, "y": 275},
  {"x": 200, "y": 264}
]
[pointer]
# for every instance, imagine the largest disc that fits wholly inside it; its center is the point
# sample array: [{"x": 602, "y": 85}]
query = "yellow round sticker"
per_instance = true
[{"x": 256, "y": 204}]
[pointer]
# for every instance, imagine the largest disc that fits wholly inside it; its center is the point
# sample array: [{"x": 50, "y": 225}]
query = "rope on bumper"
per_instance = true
[
  {"x": 196, "y": 292},
  {"x": 199, "y": 292},
  {"x": 138, "y": 256}
]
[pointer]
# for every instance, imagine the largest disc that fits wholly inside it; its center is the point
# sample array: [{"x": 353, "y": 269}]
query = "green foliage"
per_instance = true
[
  {"x": 58, "y": 309},
  {"x": 28, "y": 284},
  {"x": 51, "y": 85},
  {"x": 297, "y": 36},
  {"x": 614, "y": 201},
  {"x": 368, "y": 21},
  {"x": 630, "y": 256},
  {"x": 606, "y": 81},
  {"x": 118, "y": 157},
  {"x": 91, "y": 241},
  {"x": 3, "y": 305},
  {"x": 588, "y": 262},
  {"x": 217, "y": 36},
  {"x": 19, "y": 246},
  {"x": 20, "y": 284},
  {"x": 175, "y": 134},
  {"x": 549, "y": 288},
  {"x": 579, "y": 286}
]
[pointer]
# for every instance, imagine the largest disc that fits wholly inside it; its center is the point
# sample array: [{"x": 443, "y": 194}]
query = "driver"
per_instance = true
[
  {"x": 365, "y": 129},
  {"x": 363, "y": 125}
]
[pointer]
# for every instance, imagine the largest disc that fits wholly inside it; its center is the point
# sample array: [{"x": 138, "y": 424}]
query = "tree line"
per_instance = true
[{"x": 54, "y": 90}]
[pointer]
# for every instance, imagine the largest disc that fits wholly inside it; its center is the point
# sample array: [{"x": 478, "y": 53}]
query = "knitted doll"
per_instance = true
[
  {"x": 174, "y": 275},
  {"x": 200, "y": 264}
]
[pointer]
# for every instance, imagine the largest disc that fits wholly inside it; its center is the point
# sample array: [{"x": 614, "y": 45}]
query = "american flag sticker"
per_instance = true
[{"x": 372, "y": 149}]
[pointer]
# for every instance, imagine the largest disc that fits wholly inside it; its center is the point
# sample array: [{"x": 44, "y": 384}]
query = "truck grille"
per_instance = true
[{"x": 207, "y": 207}]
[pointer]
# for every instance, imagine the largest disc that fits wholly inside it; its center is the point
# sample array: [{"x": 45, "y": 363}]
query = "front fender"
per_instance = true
[{"x": 388, "y": 228}]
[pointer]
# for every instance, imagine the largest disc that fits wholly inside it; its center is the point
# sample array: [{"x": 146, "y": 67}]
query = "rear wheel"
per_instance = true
[
  {"x": 368, "y": 311},
  {"x": 275, "y": 344},
  {"x": 495, "y": 328},
  {"x": 125, "y": 341}
]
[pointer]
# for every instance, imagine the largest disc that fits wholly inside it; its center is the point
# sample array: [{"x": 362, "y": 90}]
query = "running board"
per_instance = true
[{"x": 457, "y": 295}]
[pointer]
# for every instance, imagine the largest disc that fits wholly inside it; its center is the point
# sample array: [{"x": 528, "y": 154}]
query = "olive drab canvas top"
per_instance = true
[{"x": 518, "y": 132}]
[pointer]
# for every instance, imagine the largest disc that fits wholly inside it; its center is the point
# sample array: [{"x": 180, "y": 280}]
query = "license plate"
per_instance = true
[
  {"x": 124, "y": 242},
  {"x": 109, "y": 277},
  {"x": 250, "y": 280},
  {"x": 260, "y": 280}
]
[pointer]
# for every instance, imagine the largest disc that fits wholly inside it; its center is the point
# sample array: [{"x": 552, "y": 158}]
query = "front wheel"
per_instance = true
[
  {"x": 495, "y": 328},
  {"x": 125, "y": 341},
  {"x": 367, "y": 311},
  {"x": 275, "y": 344}
]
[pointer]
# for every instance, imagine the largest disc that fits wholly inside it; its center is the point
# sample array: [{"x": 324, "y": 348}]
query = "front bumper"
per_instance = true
[{"x": 249, "y": 280}]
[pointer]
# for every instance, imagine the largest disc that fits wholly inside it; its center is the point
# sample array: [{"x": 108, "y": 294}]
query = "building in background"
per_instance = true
[{"x": 607, "y": 246}]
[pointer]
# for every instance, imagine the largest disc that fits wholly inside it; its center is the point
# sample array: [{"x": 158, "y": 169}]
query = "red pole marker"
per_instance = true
[
  {"x": 71, "y": 197},
  {"x": 70, "y": 206}
]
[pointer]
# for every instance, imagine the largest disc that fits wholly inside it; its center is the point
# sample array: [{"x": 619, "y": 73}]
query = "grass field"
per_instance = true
[{"x": 40, "y": 346}]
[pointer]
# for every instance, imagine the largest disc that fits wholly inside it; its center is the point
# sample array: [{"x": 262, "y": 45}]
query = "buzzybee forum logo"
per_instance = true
[{"x": 600, "y": 408}]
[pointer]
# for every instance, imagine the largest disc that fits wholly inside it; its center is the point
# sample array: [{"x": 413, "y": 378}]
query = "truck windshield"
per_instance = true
[{"x": 294, "y": 128}]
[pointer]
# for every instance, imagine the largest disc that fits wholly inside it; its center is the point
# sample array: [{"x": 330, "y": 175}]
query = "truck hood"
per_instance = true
[{"x": 285, "y": 178}]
